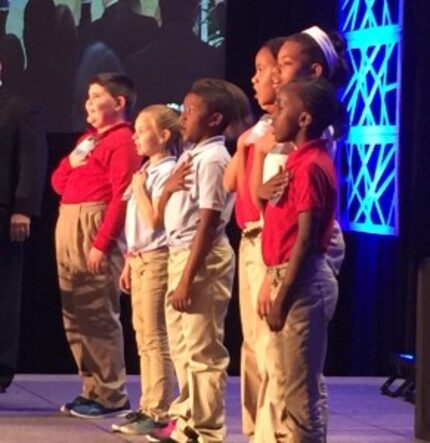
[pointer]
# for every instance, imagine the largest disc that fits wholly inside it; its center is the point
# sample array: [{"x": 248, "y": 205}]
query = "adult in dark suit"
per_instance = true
[
  {"x": 164, "y": 70},
  {"x": 23, "y": 156},
  {"x": 120, "y": 28}
]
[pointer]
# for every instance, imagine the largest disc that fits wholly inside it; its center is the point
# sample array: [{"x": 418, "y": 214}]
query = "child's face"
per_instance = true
[
  {"x": 291, "y": 64},
  {"x": 196, "y": 119},
  {"x": 262, "y": 79},
  {"x": 103, "y": 110},
  {"x": 286, "y": 121},
  {"x": 149, "y": 138}
]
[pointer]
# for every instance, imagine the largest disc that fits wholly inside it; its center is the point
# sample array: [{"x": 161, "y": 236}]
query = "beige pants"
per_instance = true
[
  {"x": 148, "y": 293},
  {"x": 91, "y": 307},
  {"x": 196, "y": 344},
  {"x": 251, "y": 275},
  {"x": 293, "y": 397}
]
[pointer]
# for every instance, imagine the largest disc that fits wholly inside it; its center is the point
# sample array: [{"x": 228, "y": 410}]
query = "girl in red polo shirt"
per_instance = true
[
  {"x": 248, "y": 218},
  {"x": 299, "y": 293}
]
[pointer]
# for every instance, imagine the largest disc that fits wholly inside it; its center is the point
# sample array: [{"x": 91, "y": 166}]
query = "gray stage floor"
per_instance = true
[{"x": 358, "y": 413}]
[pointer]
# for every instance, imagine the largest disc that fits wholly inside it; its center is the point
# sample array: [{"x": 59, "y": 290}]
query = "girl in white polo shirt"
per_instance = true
[{"x": 157, "y": 136}]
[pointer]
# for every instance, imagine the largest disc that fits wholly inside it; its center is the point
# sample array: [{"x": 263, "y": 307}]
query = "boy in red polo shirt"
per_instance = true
[
  {"x": 299, "y": 294},
  {"x": 91, "y": 182}
]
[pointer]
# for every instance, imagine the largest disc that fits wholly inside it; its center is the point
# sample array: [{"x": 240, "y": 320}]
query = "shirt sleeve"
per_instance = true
[
  {"x": 123, "y": 163},
  {"x": 32, "y": 165},
  {"x": 210, "y": 185},
  {"x": 61, "y": 175},
  {"x": 160, "y": 181},
  {"x": 312, "y": 190}
]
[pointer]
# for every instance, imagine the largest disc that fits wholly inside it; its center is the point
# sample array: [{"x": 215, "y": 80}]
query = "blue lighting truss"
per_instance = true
[{"x": 370, "y": 155}]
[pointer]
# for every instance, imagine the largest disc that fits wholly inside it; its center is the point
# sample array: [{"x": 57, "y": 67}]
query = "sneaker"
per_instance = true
[
  {"x": 131, "y": 416},
  {"x": 79, "y": 400},
  {"x": 94, "y": 409},
  {"x": 163, "y": 435},
  {"x": 138, "y": 424}
]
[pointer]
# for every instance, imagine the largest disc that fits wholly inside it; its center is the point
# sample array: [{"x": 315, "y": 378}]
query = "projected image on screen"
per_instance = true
[{"x": 50, "y": 49}]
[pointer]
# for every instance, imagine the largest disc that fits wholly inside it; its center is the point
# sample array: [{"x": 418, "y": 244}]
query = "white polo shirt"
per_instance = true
[
  {"x": 206, "y": 191},
  {"x": 139, "y": 236}
]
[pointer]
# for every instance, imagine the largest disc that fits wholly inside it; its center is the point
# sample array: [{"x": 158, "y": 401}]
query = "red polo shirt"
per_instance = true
[
  {"x": 311, "y": 188},
  {"x": 245, "y": 209},
  {"x": 103, "y": 178}
]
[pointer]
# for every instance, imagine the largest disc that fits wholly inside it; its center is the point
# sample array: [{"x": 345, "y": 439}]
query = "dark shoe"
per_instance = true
[
  {"x": 137, "y": 423},
  {"x": 79, "y": 400},
  {"x": 2, "y": 389},
  {"x": 131, "y": 416},
  {"x": 94, "y": 409}
]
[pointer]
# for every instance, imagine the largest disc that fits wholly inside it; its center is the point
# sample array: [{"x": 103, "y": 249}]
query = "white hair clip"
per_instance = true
[
  {"x": 326, "y": 45},
  {"x": 176, "y": 107}
]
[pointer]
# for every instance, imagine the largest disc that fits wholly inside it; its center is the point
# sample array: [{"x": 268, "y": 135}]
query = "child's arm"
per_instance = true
[
  {"x": 122, "y": 164},
  {"x": 177, "y": 181},
  {"x": 125, "y": 278},
  {"x": 62, "y": 173},
  {"x": 230, "y": 175},
  {"x": 212, "y": 200},
  {"x": 202, "y": 243},
  {"x": 275, "y": 311},
  {"x": 263, "y": 145},
  {"x": 147, "y": 209},
  {"x": 234, "y": 175}
]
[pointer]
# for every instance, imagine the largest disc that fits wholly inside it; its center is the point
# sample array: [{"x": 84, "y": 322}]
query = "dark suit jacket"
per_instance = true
[
  {"x": 23, "y": 156},
  {"x": 121, "y": 29}
]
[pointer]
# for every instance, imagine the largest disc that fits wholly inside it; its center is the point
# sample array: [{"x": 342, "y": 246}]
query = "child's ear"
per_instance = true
[
  {"x": 121, "y": 102},
  {"x": 165, "y": 135},
  {"x": 216, "y": 119},
  {"x": 316, "y": 70},
  {"x": 305, "y": 119}
]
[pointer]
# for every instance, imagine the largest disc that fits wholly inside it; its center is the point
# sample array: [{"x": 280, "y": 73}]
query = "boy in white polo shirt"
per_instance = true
[{"x": 201, "y": 268}]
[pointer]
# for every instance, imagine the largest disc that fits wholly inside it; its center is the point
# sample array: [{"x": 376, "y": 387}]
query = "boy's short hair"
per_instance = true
[
  {"x": 319, "y": 99},
  {"x": 217, "y": 97},
  {"x": 118, "y": 85}
]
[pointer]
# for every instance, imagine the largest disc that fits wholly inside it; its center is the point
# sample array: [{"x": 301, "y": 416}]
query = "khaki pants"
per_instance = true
[
  {"x": 148, "y": 293},
  {"x": 91, "y": 307},
  {"x": 251, "y": 275},
  {"x": 293, "y": 396},
  {"x": 196, "y": 344}
]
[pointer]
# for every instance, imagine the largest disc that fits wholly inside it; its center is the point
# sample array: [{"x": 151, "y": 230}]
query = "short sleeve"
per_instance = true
[
  {"x": 160, "y": 181},
  {"x": 211, "y": 190},
  {"x": 312, "y": 190}
]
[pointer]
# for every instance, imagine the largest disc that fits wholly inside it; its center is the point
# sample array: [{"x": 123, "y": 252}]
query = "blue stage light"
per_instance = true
[{"x": 370, "y": 152}]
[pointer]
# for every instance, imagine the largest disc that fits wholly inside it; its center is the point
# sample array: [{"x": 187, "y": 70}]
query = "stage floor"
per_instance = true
[{"x": 358, "y": 413}]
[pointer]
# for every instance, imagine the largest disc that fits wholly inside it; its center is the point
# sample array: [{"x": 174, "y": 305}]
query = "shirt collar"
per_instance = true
[
  {"x": 152, "y": 167},
  {"x": 210, "y": 142},
  {"x": 94, "y": 132},
  {"x": 303, "y": 149}
]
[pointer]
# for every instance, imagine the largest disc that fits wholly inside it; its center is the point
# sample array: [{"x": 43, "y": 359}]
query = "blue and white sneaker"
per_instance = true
[
  {"x": 79, "y": 400},
  {"x": 94, "y": 409}
]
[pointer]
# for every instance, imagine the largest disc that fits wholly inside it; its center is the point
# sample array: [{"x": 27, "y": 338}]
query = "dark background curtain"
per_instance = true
[{"x": 375, "y": 314}]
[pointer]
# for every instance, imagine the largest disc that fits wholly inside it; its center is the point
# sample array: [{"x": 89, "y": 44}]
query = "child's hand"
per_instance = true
[
  {"x": 138, "y": 181},
  {"x": 76, "y": 159},
  {"x": 275, "y": 186},
  {"x": 125, "y": 279},
  {"x": 181, "y": 298},
  {"x": 96, "y": 261},
  {"x": 178, "y": 179},
  {"x": 277, "y": 315},
  {"x": 264, "y": 303}
]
